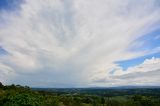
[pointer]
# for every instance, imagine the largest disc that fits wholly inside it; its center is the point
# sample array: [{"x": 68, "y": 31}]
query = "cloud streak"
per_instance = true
[{"x": 66, "y": 43}]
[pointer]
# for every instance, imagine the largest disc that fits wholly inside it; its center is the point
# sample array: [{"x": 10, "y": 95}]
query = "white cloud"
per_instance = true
[
  {"x": 146, "y": 73},
  {"x": 6, "y": 71},
  {"x": 67, "y": 42},
  {"x": 148, "y": 65}
]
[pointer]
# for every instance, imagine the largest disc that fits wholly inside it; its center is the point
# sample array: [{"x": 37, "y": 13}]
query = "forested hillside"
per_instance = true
[{"x": 16, "y": 95}]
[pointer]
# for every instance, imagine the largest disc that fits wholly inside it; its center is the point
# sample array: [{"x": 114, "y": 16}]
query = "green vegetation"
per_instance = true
[{"x": 16, "y": 95}]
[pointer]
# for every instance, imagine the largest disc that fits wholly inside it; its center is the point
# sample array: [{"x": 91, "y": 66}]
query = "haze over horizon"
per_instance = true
[{"x": 80, "y": 43}]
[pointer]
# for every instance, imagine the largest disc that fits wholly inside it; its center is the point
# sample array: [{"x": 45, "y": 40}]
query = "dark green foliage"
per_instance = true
[
  {"x": 1, "y": 85},
  {"x": 103, "y": 101},
  {"x": 16, "y": 95},
  {"x": 49, "y": 101},
  {"x": 22, "y": 99}
]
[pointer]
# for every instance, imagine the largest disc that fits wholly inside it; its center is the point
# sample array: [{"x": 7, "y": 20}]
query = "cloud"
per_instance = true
[
  {"x": 66, "y": 43},
  {"x": 148, "y": 65},
  {"x": 146, "y": 73},
  {"x": 6, "y": 71}
]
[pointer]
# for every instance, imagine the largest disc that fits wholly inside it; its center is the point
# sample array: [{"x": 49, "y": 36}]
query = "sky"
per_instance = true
[{"x": 80, "y": 43}]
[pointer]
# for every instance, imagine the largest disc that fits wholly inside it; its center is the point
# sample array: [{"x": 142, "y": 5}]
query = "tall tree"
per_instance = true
[{"x": 1, "y": 85}]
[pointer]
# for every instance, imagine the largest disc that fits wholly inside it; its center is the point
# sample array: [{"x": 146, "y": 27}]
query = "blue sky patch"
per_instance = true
[
  {"x": 151, "y": 40},
  {"x": 2, "y": 51},
  {"x": 147, "y": 42},
  {"x": 9, "y": 4},
  {"x": 136, "y": 61}
]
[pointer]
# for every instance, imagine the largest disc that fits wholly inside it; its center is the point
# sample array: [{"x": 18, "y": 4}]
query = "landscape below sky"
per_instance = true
[{"x": 80, "y": 43}]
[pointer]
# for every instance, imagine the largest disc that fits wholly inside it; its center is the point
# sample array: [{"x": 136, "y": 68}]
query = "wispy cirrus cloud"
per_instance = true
[{"x": 66, "y": 43}]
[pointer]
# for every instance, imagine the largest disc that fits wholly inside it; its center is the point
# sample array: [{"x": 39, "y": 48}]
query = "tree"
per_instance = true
[
  {"x": 1, "y": 85},
  {"x": 103, "y": 101}
]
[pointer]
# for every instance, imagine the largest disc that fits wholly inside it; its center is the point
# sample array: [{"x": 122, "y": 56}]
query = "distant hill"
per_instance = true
[{"x": 126, "y": 87}]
